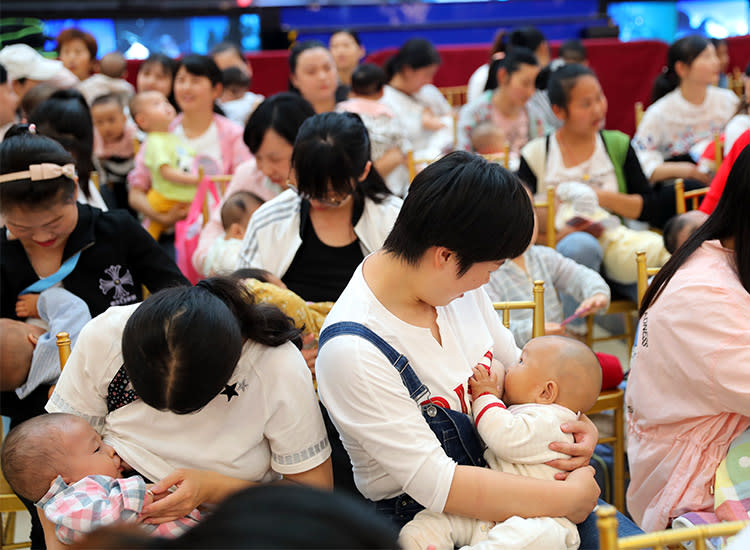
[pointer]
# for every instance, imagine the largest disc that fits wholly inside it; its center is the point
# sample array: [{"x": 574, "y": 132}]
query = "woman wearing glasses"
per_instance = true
[{"x": 336, "y": 211}]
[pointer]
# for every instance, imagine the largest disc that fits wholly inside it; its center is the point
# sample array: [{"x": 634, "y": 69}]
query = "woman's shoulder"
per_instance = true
[
  {"x": 226, "y": 126},
  {"x": 278, "y": 210},
  {"x": 271, "y": 361},
  {"x": 390, "y": 203},
  {"x": 723, "y": 96}
]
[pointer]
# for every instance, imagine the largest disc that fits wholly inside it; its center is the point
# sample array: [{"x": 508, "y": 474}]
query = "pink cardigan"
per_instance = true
[
  {"x": 233, "y": 151},
  {"x": 688, "y": 394}
]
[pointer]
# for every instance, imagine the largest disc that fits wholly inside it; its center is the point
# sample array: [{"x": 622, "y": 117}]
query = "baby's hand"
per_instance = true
[
  {"x": 430, "y": 121},
  {"x": 483, "y": 381},
  {"x": 26, "y": 305}
]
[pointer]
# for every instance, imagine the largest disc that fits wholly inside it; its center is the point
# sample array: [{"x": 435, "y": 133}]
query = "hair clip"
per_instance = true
[
  {"x": 32, "y": 128},
  {"x": 39, "y": 172}
]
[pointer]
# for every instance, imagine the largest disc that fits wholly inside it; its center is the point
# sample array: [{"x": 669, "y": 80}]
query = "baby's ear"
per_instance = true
[
  {"x": 548, "y": 393},
  {"x": 235, "y": 231}
]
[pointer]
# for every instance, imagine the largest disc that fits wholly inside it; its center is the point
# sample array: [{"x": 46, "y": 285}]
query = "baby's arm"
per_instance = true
[
  {"x": 178, "y": 176},
  {"x": 431, "y": 121},
  {"x": 93, "y": 502},
  {"x": 519, "y": 437}
]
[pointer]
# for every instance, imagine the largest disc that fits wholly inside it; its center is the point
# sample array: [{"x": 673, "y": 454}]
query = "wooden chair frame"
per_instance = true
[
  {"x": 614, "y": 400},
  {"x": 638, "y": 113},
  {"x": 455, "y": 95},
  {"x": 681, "y": 196},
  {"x": 644, "y": 273},
  {"x": 537, "y": 305},
  {"x": 660, "y": 540}
]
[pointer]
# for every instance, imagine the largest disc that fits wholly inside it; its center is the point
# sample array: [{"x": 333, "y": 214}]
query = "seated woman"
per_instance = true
[
  {"x": 269, "y": 134},
  {"x": 337, "y": 210},
  {"x": 580, "y": 151},
  {"x": 688, "y": 109},
  {"x": 197, "y": 86},
  {"x": 420, "y": 295},
  {"x": 687, "y": 400},
  {"x": 312, "y": 74},
  {"x": 420, "y": 107},
  {"x": 507, "y": 105},
  {"x": 255, "y": 405},
  {"x": 347, "y": 50}
]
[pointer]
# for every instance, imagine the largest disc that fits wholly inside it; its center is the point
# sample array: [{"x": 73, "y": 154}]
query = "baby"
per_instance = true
[
  {"x": 29, "y": 356},
  {"x": 388, "y": 141},
  {"x": 236, "y": 101},
  {"x": 168, "y": 159},
  {"x": 488, "y": 139},
  {"x": 679, "y": 228},
  {"x": 113, "y": 147},
  {"x": 59, "y": 462},
  {"x": 554, "y": 380},
  {"x": 221, "y": 258},
  {"x": 110, "y": 80}
]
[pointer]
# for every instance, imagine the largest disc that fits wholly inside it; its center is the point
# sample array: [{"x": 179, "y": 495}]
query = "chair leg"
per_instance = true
[
  {"x": 590, "y": 331},
  {"x": 619, "y": 459}
]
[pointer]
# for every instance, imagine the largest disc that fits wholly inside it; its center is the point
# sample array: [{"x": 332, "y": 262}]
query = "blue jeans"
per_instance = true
[
  {"x": 584, "y": 249},
  {"x": 590, "y": 534}
]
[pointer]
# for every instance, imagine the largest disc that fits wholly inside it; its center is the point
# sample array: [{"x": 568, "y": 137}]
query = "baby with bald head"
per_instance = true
[{"x": 17, "y": 342}]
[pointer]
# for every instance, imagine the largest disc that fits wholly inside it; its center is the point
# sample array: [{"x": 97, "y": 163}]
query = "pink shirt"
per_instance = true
[{"x": 688, "y": 394}]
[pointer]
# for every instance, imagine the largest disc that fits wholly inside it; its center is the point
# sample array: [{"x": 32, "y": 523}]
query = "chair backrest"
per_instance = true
[
  {"x": 638, "y": 113},
  {"x": 682, "y": 196},
  {"x": 660, "y": 540},
  {"x": 94, "y": 176},
  {"x": 718, "y": 151},
  {"x": 503, "y": 157},
  {"x": 63, "y": 348},
  {"x": 412, "y": 163},
  {"x": 456, "y": 95},
  {"x": 536, "y": 304},
  {"x": 549, "y": 204},
  {"x": 644, "y": 272}
]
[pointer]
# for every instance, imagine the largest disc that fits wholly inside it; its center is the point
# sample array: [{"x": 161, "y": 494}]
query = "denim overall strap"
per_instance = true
[{"x": 417, "y": 391}]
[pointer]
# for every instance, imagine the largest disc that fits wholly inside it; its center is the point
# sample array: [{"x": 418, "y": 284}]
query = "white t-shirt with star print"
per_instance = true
[{"x": 271, "y": 426}]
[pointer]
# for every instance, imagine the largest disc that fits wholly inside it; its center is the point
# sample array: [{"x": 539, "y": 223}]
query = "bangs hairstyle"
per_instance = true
[
  {"x": 283, "y": 113},
  {"x": 415, "y": 53},
  {"x": 164, "y": 345},
  {"x": 563, "y": 80},
  {"x": 88, "y": 40},
  {"x": 201, "y": 65},
  {"x": 728, "y": 220},
  {"x": 331, "y": 152},
  {"x": 168, "y": 65},
  {"x": 18, "y": 150},
  {"x": 477, "y": 209}
]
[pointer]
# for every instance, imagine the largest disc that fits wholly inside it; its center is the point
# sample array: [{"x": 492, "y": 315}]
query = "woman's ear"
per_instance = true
[
  {"x": 681, "y": 68},
  {"x": 502, "y": 76},
  {"x": 217, "y": 91},
  {"x": 560, "y": 113},
  {"x": 366, "y": 171},
  {"x": 548, "y": 394}
]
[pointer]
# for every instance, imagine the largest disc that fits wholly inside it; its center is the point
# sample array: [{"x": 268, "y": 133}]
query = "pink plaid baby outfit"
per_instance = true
[{"x": 96, "y": 501}]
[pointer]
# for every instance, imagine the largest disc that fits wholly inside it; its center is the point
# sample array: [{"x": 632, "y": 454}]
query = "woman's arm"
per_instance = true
[
  {"x": 669, "y": 170},
  {"x": 628, "y": 206},
  {"x": 474, "y": 493},
  {"x": 392, "y": 158},
  {"x": 321, "y": 476}
]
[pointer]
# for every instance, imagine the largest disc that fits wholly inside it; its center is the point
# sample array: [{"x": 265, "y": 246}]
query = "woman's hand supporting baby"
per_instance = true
[
  {"x": 586, "y": 436},
  {"x": 194, "y": 487}
]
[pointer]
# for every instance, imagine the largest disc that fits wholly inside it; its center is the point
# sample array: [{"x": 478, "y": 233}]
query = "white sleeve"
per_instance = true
[
  {"x": 96, "y": 358},
  {"x": 520, "y": 437},
  {"x": 369, "y": 404},
  {"x": 647, "y": 140},
  {"x": 477, "y": 82},
  {"x": 734, "y": 129},
  {"x": 294, "y": 425}
]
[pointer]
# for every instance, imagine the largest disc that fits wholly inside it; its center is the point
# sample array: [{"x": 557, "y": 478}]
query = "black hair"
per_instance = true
[
  {"x": 202, "y": 65},
  {"x": 164, "y": 341},
  {"x": 237, "y": 206},
  {"x": 672, "y": 230},
  {"x": 283, "y": 113},
  {"x": 573, "y": 51},
  {"x": 271, "y": 515},
  {"x": 20, "y": 149},
  {"x": 331, "y": 152},
  {"x": 234, "y": 76},
  {"x": 368, "y": 79},
  {"x": 719, "y": 41},
  {"x": 685, "y": 50},
  {"x": 511, "y": 63},
  {"x": 475, "y": 208},
  {"x": 563, "y": 80},
  {"x": 728, "y": 220},
  {"x": 297, "y": 50},
  {"x": 167, "y": 63},
  {"x": 251, "y": 273},
  {"x": 222, "y": 47},
  {"x": 415, "y": 53},
  {"x": 3, "y": 75},
  {"x": 107, "y": 98},
  {"x": 528, "y": 37},
  {"x": 353, "y": 34},
  {"x": 65, "y": 117}
]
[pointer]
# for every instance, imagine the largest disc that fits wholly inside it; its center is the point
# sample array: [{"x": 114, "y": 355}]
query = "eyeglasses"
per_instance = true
[{"x": 330, "y": 202}]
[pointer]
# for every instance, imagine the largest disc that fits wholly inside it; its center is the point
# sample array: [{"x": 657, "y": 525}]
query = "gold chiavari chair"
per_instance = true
[
  {"x": 536, "y": 304},
  {"x": 682, "y": 196},
  {"x": 660, "y": 540}
]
